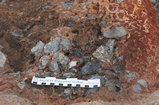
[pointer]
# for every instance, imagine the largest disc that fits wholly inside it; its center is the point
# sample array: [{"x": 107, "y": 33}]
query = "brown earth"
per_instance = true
[{"x": 140, "y": 47}]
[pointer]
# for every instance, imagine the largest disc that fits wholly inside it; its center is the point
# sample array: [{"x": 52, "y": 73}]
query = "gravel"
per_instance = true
[
  {"x": 72, "y": 64},
  {"x": 52, "y": 47},
  {"x": 68, "y": 75},
  {"x": 2, "y": 59},
  {"x": 102, "y": 80},
  {"x": 54, "y": 67},
  {"x": 90, "y": 68},
  {"x": 65, "y": 44},
  {"x": 117, "y": 69},
  {"x": 115, "y": 32},
  {"x": 105, "y": 52},
  {"x": 130, "y": 75},
  {"x": 61, "y": 58},
  {"x": 37, "y": 50},
  {"x": 16, "y": 74},
  {"x": 143, "y": 83},
  {"x": 43, "y": 61},
  {"x": 90, "y": 91},
  {"x": 67, "y": 91},
  {"x": 137, "y": 88},
  {"x": 119, "y": 1}
]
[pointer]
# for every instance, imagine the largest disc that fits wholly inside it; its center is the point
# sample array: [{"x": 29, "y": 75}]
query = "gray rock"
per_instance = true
[
  {"x": 1, "y": 46},
  {"x": 105, "y": 52},
  {"x": 20, "y": 85},
  {"x": 119, "y": 1},
  {"x": 102, "y": 80},
  {"x": 130, "y": 75},
  {"x": 37, "y": 50},
  {"x": 117, "y": 69},
  {"x": 61, "y": 58},
  {"x": 43, "y": 61},
  {"x": 48, "y": 74},
  {"x": 73, "y": 91},
  {"x": 115, "y": 32},
  {"x": 74, "y": 70},
  {"x": 16, "y": 74},
  {"x": 69, "y": 23},
  {"x": 65, "y": 44},
  {"x": 67, "y": 91},
  {"x": 54, "y": 67},
  {"x": 3, "y": 1},
  {"x": 66, "y": 5},
  {"x": 68, "y": 75},
  {"x": 103, "y": 23},
  {"x": 2, "y": 59},
  {"x": 90, "y": 91},
  {"x": 52, "y": 47},
  {"x": 16, "y": 35},
  {"x": 143, "y": 83},
  {"x": 90, "y": 68},
  {"x": 28, "y": 71},
  {"x": 137, "y": 88}
]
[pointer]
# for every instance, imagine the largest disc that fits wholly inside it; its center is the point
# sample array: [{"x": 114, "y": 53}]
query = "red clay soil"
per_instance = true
[{"x": 140, "y": 47}]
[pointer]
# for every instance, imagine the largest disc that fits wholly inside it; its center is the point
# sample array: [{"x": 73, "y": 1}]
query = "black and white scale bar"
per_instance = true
[{"x": 67, "y": 82}]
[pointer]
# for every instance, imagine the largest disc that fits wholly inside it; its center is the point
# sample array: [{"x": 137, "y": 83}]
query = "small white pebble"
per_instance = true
[{"x": 72, "y": 64}]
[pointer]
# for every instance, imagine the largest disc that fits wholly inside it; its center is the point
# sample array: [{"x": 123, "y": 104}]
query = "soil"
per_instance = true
[{"x": 36, "y": 20}]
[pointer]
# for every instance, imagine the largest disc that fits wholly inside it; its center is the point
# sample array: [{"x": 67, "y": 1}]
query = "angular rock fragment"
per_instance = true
[
  {"x": 137, "y": 88},
  {"x": 61, "y": 58},
  {"x": 37, "y": 50},
  {"x": 16, "y": 35},
  {"x": 115, "y": 32},
  {"x": 90, "y": 68},
  {"x": 54, "y": 67},
  {"x": 65, "y": 44},
  {"x": 117, "y": 69},
  {"x": 105, "y": 52},
  {"x": 16, "y": 74},
  {"x": 43, "y": 61},
  {"x": 52, "y": 47},
  {"x": 72, "y": 64},
  {"x": 2, "y": 59},
  {"x": 143, "y": 83},
  {"x": 68, "y": 75},
  {"x": 90, "y": 91},
  {"x": 119, "y": 1},
  {"x": 130, "y": 75},
  {"x": 102, "y": 80}
]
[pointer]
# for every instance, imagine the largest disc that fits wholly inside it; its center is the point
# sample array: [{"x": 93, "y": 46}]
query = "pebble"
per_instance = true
[
  {"x": 90, "y": 91},
  {"x": 54, "y": 67},
  {"x": 68, "y": 75},
  {"x": 16, "y": 74},
  {"x": 16, "y": 35},
  {"x": 115, "y": 32},
  {"x": 72, "y": 64},
  {"x": 52, "y": 47},
  {"x": 74, "y": 70},
  {"x": 1, "y": 46},
  {"x": 102, "y": 80},
  {"x": 90, "y": 68},
  {"x": 69, "y": 23},
  {"x": 117, "y": 69},
  {"x": 137, "y": 88},
  {"x": 65, "y": 44},
  {"x": 43, "y": 61},
  {"x": 119, "y": 1},
  {"x": 2, "y": 59},
  {"x": 76, "y": 52},
  {"x": 103, "y": 23},
  {"x": 28, "y": 71},
  {"x": 37, "y": 50},
  {"x": 66, "y": 5},
  {"x": 61, "y": 58},
  {"x": 105, "y": 52},
  {"x": 143, "y": 83},
  {"x": 48, "y": 74},
  {"x": 130, "y": 75},
  {"x": 67, "y": 91},
  {"x": 21, "y": 85}
]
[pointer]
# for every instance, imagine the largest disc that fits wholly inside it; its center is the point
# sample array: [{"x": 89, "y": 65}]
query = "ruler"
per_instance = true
[{"x": 66, "y": 82}]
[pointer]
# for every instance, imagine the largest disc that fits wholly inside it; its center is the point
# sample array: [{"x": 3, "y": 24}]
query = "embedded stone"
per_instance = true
[
  {"x": 2, "y": 59},
  {"x": 43, "y": 61},
  {"x": 105, "y": 52},
  {"x": 137, "y": 88},
  {"x": 65, "y": 44},
  {"x": 115, "y": 32},
  {"x": 52, "y": 47},
  {"x": 37, "y": 50},
  {"x": 143, "y": 83},
  {"x": 61, "y": 58},
  {"x": 54, "y": 67}
]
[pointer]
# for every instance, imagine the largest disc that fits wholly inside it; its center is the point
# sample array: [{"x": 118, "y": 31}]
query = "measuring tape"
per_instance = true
[{"x": 68, "y": 82}]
